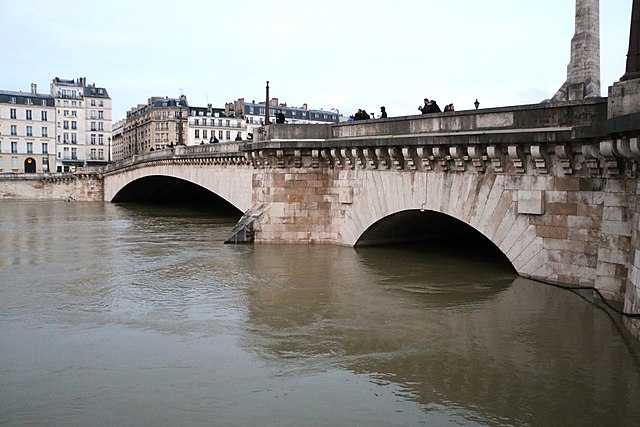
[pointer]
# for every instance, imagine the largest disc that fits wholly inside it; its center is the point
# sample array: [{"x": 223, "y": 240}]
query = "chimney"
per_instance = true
[
  {"x": 304, "y": 106},
  {"x": 34, "y": 89},
  {"x": 274, "y": 102}
]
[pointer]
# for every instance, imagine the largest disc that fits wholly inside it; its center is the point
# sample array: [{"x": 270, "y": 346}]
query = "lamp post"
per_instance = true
[
  {"x": 266, "y": 107},
  {"x": 477, "y": 103},
  {"x": 109, "y": 150}
]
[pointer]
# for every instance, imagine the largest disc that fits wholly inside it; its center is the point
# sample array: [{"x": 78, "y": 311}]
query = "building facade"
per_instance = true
[
  {"x": 156, "y": 125},
  {"x": 83, "y": 124},
  {"x": 253, "y": 114},
  {"x": 210, "y": 125},
  {"x": 27, "y": 132}
]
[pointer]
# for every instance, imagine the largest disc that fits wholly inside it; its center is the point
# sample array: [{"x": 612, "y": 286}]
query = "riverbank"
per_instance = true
[{"x": 81, "y": 186}]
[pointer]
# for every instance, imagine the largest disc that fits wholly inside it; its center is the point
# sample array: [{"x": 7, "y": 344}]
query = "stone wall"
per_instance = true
[{"x": 77, "y": 186}]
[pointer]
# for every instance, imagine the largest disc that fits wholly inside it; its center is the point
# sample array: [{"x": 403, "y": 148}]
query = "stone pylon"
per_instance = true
[
  {"x": 583, "y": 71},
  {"x": 633, "y": 57}
]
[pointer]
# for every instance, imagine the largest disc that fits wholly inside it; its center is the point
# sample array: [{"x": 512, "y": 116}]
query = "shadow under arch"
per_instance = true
[
  {"x": 171, "y": 190},
  {"x": 440, "y": 255}
]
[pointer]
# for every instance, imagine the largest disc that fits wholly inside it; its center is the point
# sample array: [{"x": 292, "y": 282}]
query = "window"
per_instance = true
[
  {"x": 66, "y": 113},
  {"x": 66, "y": 153},
  {"x": 93, "y": 102},
  {"x": 29, "y": 147},
  {"x": 101, "y": 154},
  {"x": 74, "y": 114},
  {"x": 93, "y": 126},
  {"x": 228, "y": 134},
  {"x": 93, "y": 138},
  {"x": 12, "y": 113},
  {"x": 14, "y": 147},
  {"x": 74, "y": 125},
  {"x": 228, "y": 123},
  {"x": 220, "y": 122},
  {"x": 44, "y": 102},
  {"x": 101, "y": 139},
  {"x": 13, "y": 100},
  {"x": 197, "y": 122},
  {"x": 66, "y": 124},
  {"x": 74, "y": 153},
  {"x": 204, "y": 134},
  {"x": 220, "y": 133},
  {"x": 100, "y": 126},
  {"x": 45, "y": 131},
  {"x": 197, "y": 133},
  {"x": 92, "y": 154},
  {"x": 45, "y": 148},
  {"x": 74, "y": 138},
  {"x": 29, "y": 130},
  {"x": 44, "y": 116},
  {"x": 65, "y": 138},
  {"x": 101, "y": 115},
  {"x": 14, "y": 163},
  {"x": 28, "y": 114}
]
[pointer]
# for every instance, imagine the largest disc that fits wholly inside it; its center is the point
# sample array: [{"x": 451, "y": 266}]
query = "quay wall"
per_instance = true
[{"x": 86, "y": 187}]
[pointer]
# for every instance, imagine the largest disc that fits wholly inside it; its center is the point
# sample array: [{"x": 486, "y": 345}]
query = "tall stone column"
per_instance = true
[
  {"x": 633, "y": 57},
  {"x": 583, "y": 71}
]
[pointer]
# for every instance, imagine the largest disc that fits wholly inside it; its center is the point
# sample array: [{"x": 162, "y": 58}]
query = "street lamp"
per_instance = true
[
  {"x": 477, "y": 103},
  {"x": 109, "y": 150}
]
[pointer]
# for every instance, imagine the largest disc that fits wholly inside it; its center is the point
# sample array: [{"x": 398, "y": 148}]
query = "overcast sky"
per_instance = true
[{"x": 328, "y": 54}]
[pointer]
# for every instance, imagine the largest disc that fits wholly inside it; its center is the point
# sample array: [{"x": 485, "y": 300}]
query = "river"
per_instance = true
[{"x": 140, "y": 315}]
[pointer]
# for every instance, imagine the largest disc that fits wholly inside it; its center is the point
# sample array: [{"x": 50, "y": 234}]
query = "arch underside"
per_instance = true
[
  {"x": 167, "y": 183},
  {"x": 445, "y": 207}
]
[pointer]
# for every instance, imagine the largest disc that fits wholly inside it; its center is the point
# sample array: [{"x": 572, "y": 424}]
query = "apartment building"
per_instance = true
[
  {"x": 83, "y": 124},
  {"x": 27, "y": 132},
  {"x": 209, "y": 125},
  {"x": 253, "y": 113}
]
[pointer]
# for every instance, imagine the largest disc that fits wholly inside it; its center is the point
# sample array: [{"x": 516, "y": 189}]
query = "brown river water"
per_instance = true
[{"x": 140, "y": 315}]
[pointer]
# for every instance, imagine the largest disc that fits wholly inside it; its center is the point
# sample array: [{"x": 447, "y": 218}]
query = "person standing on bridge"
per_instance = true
[
  {"x": 280, "y": 117},
  {"x": 426, "y": 108},
  {"x": 383, "y": 113}
]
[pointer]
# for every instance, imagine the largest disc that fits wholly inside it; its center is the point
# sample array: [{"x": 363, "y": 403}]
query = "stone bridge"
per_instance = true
[{"x": 553, "y": 186}]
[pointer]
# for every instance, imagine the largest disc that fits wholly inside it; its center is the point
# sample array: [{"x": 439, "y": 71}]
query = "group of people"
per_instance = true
[{"x": 431, "y": 106}]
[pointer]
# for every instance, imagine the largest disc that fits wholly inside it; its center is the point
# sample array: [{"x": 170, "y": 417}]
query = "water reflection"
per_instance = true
[{"x": 495, "y": 346}]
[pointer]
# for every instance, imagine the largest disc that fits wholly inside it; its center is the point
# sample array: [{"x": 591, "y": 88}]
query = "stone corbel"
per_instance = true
[
  {"x": 337, "y": 157},
  {"x": 409, "y": 154},
  {"x": 383, "y": 158},
  {"x": 539, "y": 158},
  {"x": 441, "y": 154},
  {"x": 396, "y": 158},
  {"x": 280, "y": 158},
  {"x": 591, "y": 155},
  {"x": 565, "y": 157},
  {"x": 325, "y": 155},
  {"x": 609, "y": 150},
  {"x": 297, "y": 158},
  {"x": 477, "y": 157},
  {"x": 493, "y": 152},
  {"x": 515, "y": 154},
  {"x": 370, "y": 156},
  {"x": 358, "y": 158},
  {"x": 315, "y": 158},
  {"x": 425, "y": 155},
  {"x": 347, "y": 156},
  {"x": 459, "y": 156}
]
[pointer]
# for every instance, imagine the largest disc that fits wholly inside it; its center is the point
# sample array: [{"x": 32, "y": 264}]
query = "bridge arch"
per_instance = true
[
  {"x": 485, "y": 203},
  {"x": 231, "y": 184}
]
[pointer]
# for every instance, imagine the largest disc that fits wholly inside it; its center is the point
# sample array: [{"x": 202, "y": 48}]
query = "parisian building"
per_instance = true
[
  {"x": 253, "y": 113},
  {"x": 211, "y": 125},
  {"x": 156, "y": 125},
  {"x": 83, "y": 124},
  {"x": 27, "y": 132}
]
